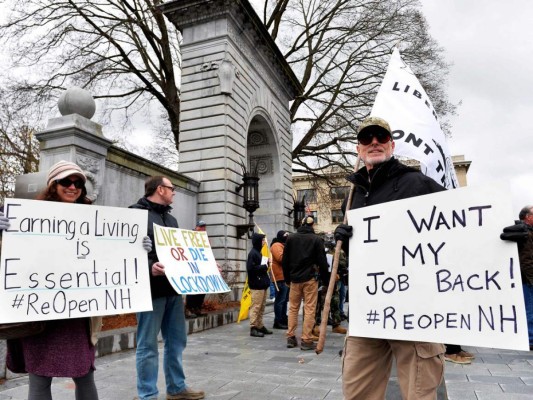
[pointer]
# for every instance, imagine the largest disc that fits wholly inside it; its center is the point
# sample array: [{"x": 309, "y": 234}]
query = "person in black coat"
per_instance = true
[
  {"x": 367, "y": 361},
  {"x": 168, "y": 314},
  {"x": 304, "y": 261},
  {"x": 259, "y": 282}
]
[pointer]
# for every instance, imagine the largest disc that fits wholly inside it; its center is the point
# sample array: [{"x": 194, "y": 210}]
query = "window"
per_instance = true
[
  {"x": 315, "y": 216},
  {"x": 339, "y": 192},
  {"x": 309, "y": 194},
  {"x": 336, "y": 216}
]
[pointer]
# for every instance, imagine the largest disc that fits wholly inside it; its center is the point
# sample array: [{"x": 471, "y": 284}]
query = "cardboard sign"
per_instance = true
[
  {"x": 62, "y": 260},
  {"x": 433, "y": 268},
  {"x": 188, "y": 259}
]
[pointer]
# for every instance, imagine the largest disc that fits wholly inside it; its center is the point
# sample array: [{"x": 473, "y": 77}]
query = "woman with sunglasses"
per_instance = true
[{"x": 66, "y": 348}]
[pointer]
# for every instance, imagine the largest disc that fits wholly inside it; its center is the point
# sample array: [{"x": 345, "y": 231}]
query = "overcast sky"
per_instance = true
[{"x": 491, "y": 47}]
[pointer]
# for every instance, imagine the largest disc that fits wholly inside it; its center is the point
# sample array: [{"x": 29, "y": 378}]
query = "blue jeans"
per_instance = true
[
  {"x": 272, "y": 293},
  {"x": 528, "y": 300},
  {"x": 342, "y": 296},
  {"x": 168, "y": 317},
  {"x": 280, "y": 303}
]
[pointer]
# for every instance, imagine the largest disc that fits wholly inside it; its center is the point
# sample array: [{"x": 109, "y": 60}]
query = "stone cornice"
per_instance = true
[
  {"x": 185, "y": 13},
  {"x": 126, "y": 159}
]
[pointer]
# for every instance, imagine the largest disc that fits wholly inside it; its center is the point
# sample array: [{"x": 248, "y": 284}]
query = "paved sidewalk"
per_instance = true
[
  {"x": 229, "y": 364},
  {"x": 494, "y": 375},
  {"x": 225, "y": 362}
]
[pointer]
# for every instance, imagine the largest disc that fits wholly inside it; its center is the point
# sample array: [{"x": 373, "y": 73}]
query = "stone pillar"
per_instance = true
[{"x": 74, "y": 137}]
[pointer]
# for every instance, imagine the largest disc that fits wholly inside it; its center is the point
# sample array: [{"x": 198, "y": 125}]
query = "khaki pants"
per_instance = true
[
  {"x": 308, "y": 291},
  {"x": 257, "y": 309},
  {"x": 367, "y": 363}
]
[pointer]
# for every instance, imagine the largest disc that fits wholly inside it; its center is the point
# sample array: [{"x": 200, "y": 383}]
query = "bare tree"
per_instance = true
[
  {"x": 126, "y": 53},
  {"x": 121, "y": 50},
  {"x": 340, "y": 49},
  {"x": 19, "y": 150}
]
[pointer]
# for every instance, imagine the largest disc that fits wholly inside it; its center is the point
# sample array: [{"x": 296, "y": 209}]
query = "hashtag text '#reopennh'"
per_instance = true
[{"x": 484, "y": 318}]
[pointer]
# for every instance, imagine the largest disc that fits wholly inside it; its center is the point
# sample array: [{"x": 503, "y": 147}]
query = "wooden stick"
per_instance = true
[
  {"x": 332, "y": 279},
  {"x": 272, "y": 273}
]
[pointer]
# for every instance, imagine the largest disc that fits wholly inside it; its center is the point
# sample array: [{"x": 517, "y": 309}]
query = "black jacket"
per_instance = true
[
  {"x": 159, "y": 214},
  {"x": 304, "y": 257},
  {"x": 525, "y": 251},
  {"x": 257, "y": 273},
  {"x": 388, "y": 182}
]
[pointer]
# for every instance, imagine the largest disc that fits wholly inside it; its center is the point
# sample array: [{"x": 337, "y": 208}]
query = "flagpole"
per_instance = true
[{"x": 332, "y": 278}]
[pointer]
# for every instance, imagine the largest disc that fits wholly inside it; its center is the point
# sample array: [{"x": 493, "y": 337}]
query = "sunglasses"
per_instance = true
[
  {"x": 65, "y": 182},
  {"x": 172, "y": 188},
  {"x": 366, "y": 137}
]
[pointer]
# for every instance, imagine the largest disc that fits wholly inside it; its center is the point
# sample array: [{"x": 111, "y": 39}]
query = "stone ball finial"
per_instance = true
[{"x": 76, "y": 100}]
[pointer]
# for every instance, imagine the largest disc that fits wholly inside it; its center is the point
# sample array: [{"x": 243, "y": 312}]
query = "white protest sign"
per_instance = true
[
  {"x": 188, "y": 259},
  {"x": 433, "y": 268},
  {"x": 404, "y": 104},
  {"x": 62, "y": 260}
]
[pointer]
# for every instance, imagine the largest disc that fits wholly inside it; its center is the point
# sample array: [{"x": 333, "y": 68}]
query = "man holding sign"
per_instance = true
[
  {"x": 168, "y": 315},
  {"x": 367, "y": 361}
]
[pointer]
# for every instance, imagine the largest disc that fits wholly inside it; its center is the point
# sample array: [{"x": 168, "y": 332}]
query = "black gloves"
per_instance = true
[
  {"x": 343, "y": 233},
  {"x": 515, "y": 233}
]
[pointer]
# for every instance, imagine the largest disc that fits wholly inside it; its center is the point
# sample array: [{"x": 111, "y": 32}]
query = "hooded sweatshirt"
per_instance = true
[
  {"x": 276, "y": 249},
  {"x": 257, "y": 273}
]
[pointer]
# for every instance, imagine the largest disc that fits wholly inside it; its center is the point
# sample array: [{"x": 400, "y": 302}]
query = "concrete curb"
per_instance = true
[{"x": 116, "y": 340}]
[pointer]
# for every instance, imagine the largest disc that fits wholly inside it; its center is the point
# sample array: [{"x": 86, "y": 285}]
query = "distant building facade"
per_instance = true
[{"x": 324, "y": 197}]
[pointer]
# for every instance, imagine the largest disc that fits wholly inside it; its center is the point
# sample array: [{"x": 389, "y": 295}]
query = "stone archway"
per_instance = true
[
  {"x": 235, "y": 94},
  {"x": 263, "y": 157}
]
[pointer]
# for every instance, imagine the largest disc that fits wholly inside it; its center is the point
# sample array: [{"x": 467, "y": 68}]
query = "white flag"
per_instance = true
[{"x": 404, "y": 104}]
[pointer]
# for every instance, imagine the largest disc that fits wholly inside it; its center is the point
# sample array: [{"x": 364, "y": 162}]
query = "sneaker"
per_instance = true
[
  {"x": 307, "y": 345},
  {"x": 466, "y": 354},
  {"x": 279, "y": 325},
  {"x": 316, "y": 330},
  {"x": 292, "y": 342},
  {"x": 256, "y": 333},
  {"x": 457, "y": 359},
  {"x": 270, "y": 301},
  {"x": 339, "y": 329},
  {"x": 187, "y": 394},
  {"x": 264, "y": 330}
]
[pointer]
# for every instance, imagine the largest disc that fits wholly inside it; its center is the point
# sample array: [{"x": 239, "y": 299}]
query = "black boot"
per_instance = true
[
  {"x": 265, "y": 331},
  {"x": 256, "y": 333},
  {"x": 280, "y": 325}
]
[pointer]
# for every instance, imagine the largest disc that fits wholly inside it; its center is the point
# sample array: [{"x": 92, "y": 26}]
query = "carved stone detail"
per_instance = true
[
  {"x": 263, "y": 164},
  {"x": 91, "y": 168},
  {"x": 257, "y": 138},
  {"x": 88, "y": 164},
  {"x": 209, "y": 66},
  {"x": 226, "y": 76}
]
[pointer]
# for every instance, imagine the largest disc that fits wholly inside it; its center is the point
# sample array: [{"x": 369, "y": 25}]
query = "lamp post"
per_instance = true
[
  {"x": 250, "y": 184},
  {"x": 299, "y": 212}
]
